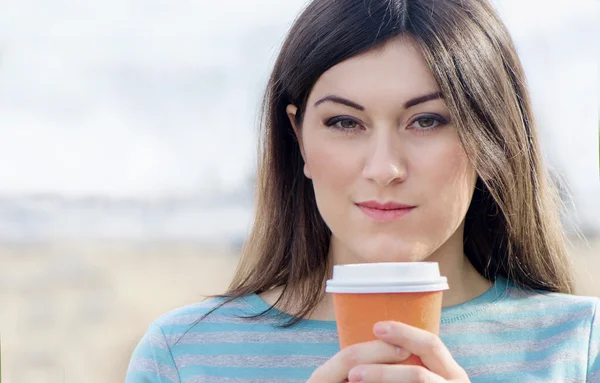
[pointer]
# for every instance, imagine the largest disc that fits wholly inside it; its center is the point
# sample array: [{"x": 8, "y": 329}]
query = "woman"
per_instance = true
[{"x": 394, "y": 130}]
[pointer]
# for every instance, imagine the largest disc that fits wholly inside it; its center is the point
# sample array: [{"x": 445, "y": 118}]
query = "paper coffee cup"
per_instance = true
[{"x": 364, "y": 294}]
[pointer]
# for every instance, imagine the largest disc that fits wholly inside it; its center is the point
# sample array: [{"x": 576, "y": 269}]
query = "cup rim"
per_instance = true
[{"x": 383, "y": 286}]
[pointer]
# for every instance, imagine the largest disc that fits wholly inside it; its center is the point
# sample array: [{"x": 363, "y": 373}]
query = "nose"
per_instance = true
[{"x": 385, "y": 163}]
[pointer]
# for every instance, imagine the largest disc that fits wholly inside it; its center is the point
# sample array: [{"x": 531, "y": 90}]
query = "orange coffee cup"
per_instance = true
[{"x": 364, "y": 294}]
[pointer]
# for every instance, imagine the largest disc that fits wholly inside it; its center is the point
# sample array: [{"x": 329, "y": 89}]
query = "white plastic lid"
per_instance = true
[{"x": 387, "y": 277}]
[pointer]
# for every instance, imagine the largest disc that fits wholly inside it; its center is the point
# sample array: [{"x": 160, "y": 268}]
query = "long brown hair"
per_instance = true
[{"x": 512, "y": 228}]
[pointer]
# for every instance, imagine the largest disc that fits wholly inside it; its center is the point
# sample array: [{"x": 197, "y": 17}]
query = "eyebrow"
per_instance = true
[{"x": 408, "y": 104}]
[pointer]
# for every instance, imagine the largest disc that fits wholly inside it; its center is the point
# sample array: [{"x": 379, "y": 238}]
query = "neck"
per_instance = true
[{"x": 464, "y": 280}]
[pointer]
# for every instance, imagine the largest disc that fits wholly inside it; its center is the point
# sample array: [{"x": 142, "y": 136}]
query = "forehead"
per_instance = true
[{"x": 394, "y": 72}]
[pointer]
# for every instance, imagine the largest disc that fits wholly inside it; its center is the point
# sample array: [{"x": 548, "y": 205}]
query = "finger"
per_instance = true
[
  {"x": 429, "y": 347},
  {"x": 382, "y": 373},
  {"x": 336, "y": 369}
]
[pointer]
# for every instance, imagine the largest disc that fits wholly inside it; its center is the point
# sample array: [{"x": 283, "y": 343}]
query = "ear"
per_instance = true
[{"x": 291, "y": 111}]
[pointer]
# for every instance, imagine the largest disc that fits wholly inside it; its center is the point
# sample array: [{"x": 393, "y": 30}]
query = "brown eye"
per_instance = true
[
  {"x": 347, "y": 124},
  {"x": 344, "y": 124},
  {"x": 426, "y": 122}
]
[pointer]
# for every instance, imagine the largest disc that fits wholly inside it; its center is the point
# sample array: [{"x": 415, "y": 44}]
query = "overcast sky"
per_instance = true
[{"x": 135, "y": 98}]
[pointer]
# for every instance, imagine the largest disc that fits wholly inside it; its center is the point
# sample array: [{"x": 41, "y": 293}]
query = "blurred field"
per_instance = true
[{"x": 73, "y": 312}]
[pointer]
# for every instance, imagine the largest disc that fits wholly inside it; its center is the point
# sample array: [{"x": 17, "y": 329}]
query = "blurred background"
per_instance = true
[{"x": 127, "y": 152}]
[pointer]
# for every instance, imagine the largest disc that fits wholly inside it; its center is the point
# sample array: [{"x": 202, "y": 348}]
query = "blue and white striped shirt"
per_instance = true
[{"x": 506, "y": 335}]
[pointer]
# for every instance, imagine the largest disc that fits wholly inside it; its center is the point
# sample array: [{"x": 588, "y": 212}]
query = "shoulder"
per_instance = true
[
  {"x": 192, "y": 312},
  {"x": 550, "y": 333},
  {"x": 577, "y": 314},
  {"x": 551, "y": 302},
  {"x": 200, "y": 321},
  {"x": 156, "y": 356}
]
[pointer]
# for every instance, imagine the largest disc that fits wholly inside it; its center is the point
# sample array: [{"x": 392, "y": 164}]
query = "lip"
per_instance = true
[
  {"x": 384, "y": 211},
  {"x": 384, "y": 206}
]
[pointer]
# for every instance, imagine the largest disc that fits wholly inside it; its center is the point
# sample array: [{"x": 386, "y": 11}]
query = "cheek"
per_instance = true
[
  {"x": 334, "y": 169},
  {"x": 450, "y": 180},
  {"x": 332, "y": 166}
]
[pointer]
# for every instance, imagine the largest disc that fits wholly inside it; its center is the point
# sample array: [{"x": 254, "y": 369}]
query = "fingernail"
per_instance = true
[
  {"x": 402, "y": 353},
  {"x": 382, "y": 328},
  {"x": 356, "y": 375}
]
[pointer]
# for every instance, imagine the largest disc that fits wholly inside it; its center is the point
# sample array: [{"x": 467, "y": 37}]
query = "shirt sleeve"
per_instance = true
[
  {"x": 152, "y": 360},
  {"x": 594, "y": 352}
]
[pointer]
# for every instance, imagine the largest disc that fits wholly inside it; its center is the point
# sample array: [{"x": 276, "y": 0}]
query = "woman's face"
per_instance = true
[{"x": 391, "y": 178}]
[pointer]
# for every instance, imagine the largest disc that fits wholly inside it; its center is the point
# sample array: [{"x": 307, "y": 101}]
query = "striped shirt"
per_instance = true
[{"x": 505, "y": 335}]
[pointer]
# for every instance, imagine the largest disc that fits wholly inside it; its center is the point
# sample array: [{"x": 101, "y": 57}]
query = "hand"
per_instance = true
[
  {"x": 336, "y": 369},
  {"x": 366, "y": 362},
  {"x": 441, "y": 367}
]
